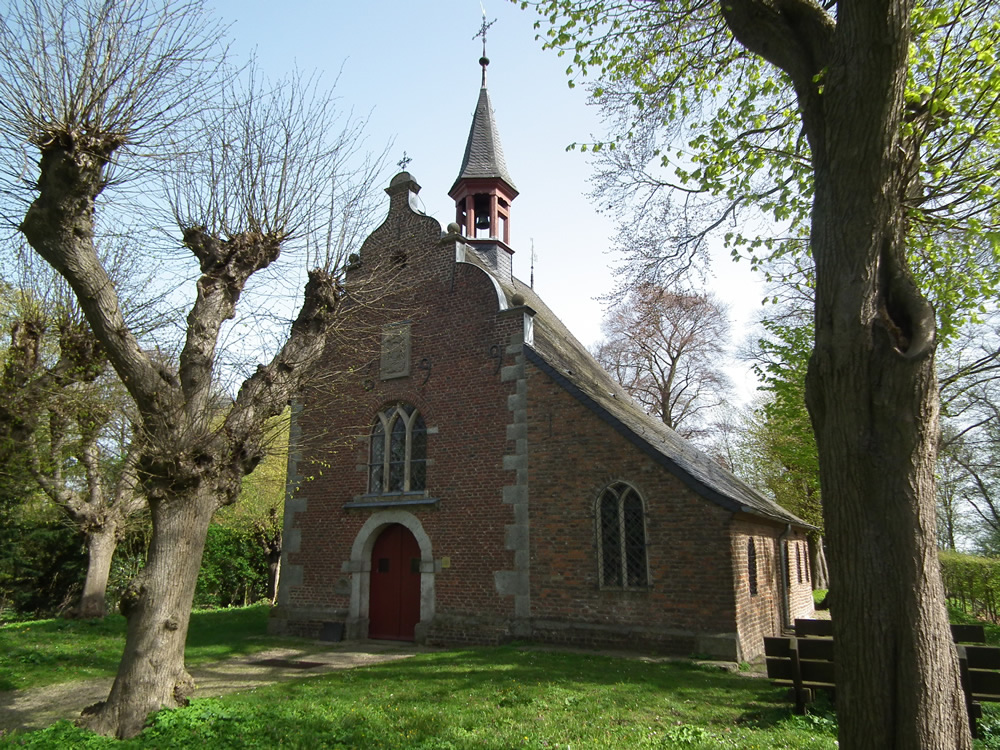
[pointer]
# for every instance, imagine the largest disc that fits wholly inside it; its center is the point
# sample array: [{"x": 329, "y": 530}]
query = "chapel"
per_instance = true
[{"x": 469, "y": 474}]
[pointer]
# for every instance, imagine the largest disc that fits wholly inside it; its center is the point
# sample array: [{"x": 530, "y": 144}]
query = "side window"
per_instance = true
[
  {"x": 788, "y": 565},
  {"x": 398, "y": 455},
  {"x": 621, "y": 537},
  {"x": 752, "y": 566}
]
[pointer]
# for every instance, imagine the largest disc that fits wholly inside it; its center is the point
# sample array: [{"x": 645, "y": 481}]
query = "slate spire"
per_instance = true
[
  {"x": 484, "y": 189},
  {"x": 484, "y": 157}
]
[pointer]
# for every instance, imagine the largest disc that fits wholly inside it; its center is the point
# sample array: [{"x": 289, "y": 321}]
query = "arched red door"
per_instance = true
[{"x": 394, "y": 597}]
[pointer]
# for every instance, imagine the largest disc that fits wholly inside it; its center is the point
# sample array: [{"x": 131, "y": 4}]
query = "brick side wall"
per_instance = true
[
  {"x": 689, "y": 605},
  {"x": 762, "y": 614},
  {"x": 801, "y": 599}
]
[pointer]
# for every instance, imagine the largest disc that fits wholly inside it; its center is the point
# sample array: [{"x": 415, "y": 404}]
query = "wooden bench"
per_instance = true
[
  {"x": 980, "y": 670},
  {"x": 805, "y": 663},
  {"x": 824, "y": 629}
]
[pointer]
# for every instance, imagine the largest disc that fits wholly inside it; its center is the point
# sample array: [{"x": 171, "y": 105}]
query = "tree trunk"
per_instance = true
[
  {"x": 151, "y": 674},
  {"x": 272, "y": 585},
  {"x": 101, "y": 545},
  {"x": 888, "y": 611},
  {"x": 817, "y": 563},
  {"x": 273, "y": 566},
  {"x": 872, "y": 396}
]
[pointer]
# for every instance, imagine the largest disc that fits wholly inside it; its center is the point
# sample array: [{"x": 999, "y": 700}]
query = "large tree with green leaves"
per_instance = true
[
  {"x": 70, "y": 423},
  {"x": 867, "y": 130}
]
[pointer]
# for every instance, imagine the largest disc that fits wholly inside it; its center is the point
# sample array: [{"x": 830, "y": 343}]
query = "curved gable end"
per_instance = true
[{"x": 404, "y": 221}]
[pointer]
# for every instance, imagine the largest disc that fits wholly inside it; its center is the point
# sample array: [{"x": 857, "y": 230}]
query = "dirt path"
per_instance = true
[{"x": 39, "y": 707}]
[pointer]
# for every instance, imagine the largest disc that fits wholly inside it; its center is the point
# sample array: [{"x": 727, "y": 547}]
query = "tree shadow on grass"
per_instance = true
[{"x": 469, "y": 698}]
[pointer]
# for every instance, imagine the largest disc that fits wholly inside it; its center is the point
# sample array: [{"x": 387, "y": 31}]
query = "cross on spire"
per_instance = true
[
  {"x": 484, "y": 60},
  {"x": 404, "y": 162}
]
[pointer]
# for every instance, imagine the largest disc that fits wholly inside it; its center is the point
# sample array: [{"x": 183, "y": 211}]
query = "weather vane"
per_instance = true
[
  {"x": 484, "y": 60},
  {"x": 404, "y": 162}
]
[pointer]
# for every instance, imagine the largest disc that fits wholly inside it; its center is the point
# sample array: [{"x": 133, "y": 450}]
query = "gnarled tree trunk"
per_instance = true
[
  {"x": 101, "y": 545},
  {"x": 870, "y": 388},
  {"x": 158, "y": 603}
]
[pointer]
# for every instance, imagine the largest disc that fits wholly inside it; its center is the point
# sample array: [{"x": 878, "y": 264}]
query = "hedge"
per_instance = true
[{"x": 972, "y": 583}]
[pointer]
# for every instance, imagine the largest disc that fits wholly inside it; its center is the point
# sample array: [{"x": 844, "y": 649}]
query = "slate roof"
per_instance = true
[
  {"x": 483, "y": 152},
  {"x": 557, "y": 352}
]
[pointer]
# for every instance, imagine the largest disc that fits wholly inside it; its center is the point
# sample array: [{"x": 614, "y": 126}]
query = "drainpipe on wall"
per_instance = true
[{"x": 784, "y": 576}]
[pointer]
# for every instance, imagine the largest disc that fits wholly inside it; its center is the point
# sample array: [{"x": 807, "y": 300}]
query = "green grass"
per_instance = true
[
  {"x": 485, "y": 699},
  {"x": 45, "y": 652},
  {"x": 956, "y": 615},
  {"x": 476, "y": 698}
]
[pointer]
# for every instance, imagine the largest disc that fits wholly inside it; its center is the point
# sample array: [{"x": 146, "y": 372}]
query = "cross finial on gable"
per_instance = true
[{"x": 404, "y": 162}]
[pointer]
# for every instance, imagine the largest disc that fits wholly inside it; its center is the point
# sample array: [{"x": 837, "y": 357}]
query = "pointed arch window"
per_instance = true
[
  {"x": 398, "y": 456},
  {"x": 621, "y": 538}
]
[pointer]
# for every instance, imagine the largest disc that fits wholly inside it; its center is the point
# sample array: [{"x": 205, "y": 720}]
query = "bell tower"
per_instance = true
[{"x": 484, "y": 190}]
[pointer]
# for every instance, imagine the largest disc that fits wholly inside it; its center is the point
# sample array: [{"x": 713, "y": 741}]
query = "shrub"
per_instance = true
[
  {"x": 233, "y": 569},
  {"x": 42, "y": 567}
]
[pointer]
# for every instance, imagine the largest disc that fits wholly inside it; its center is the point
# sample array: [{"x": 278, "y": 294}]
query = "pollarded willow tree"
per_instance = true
[
  {"x": 106, "y": 98},
  {"x": 868, "y": 130},
  {"x": 61, "y": 412},
  {"x": 66, "y": 415}
]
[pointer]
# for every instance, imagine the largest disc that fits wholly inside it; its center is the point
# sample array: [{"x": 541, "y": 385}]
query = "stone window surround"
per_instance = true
[
  {"x": 387, "y": 419},
  {"x": 621, "y": 489}
]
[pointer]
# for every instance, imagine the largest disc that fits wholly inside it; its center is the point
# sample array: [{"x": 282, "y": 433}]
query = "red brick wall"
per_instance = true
[
  {"x": 801, "y": 599},
  {"x": 455, "y": 326},
  {"x": 762, "y": 614},
  {"x": 574, "y": 455},
  {"x": 458, "y": 347}
]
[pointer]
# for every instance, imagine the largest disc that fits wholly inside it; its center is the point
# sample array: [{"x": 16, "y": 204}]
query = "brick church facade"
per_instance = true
[{"x": 476, "y": 477}]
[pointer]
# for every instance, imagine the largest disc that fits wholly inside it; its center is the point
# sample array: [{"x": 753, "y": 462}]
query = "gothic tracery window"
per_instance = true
[
  {"x": 621, "y": 537},
  {"x": 398, "y": 456}
]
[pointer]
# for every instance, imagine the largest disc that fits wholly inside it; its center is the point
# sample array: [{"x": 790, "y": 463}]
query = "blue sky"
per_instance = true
[{"x": 413, "y": 67}]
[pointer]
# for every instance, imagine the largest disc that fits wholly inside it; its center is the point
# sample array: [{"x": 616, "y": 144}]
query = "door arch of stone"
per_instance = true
[{"x": 358, "y": 621}]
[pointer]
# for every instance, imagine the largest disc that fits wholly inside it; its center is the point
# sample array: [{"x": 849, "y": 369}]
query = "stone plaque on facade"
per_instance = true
[{"x": 395, "y": 351}]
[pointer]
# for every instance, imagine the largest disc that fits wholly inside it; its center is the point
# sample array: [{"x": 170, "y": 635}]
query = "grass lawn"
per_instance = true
[
  {"x": 495, "y": 698},
  {"x": 44, "y": 652},
  {"x": 485, "y": 698}
]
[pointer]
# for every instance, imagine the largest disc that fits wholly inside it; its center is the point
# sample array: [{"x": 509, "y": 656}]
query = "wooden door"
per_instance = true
[{"x": 394, "y": 597}]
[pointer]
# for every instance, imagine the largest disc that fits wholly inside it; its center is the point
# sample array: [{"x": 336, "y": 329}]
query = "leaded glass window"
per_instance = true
[
  {"x": 752, "y": 566},
  {"x": 621, "y": 538},
  {"x": 398, "y": 456}
]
